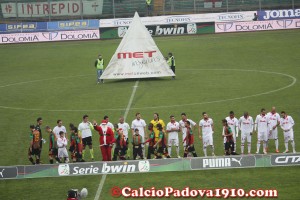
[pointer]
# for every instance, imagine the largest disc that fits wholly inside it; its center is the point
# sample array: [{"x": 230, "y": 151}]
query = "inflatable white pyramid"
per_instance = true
[{"x": 137, "y": 56}]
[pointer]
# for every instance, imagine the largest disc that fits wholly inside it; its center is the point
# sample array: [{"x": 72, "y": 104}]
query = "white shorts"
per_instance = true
[
  {"x": 262, "y": 136},
  {"x": 207, "y": 140},
  {"x": 273, "y": 134},
  {"x": 173, "y": 141},
  {"x": 63, "y": 153},
  {"x": 288, "y": 136},
  {"x": 245, "y": 136}
]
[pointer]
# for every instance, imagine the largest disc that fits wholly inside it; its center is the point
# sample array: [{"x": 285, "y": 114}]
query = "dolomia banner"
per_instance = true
[
  {"x": 163, "y": 30},
  {"x": 53, "y": 8},
  {"x": 257, "y": 25},
  {"x": 49, "y": 36},
  {"x": 145, "y": 166}
]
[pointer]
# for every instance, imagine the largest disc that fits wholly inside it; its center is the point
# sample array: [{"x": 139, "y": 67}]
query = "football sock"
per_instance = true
[
  {"x": 31, "y": 160},
  {"x": 249, "y": 147},
  {"x": 265, "y": 145},
  {"x": 293, "y": 145},
  {"x": 286, "y": 144},
  {"x": 242, "y": 148},
  {"x": 37, "y": 161},
  {"x": 205, "y": 151},
  {"x": 213, "y": 149},
  {"x": 51, "y": 161},
  {"x": 258, "y": 146},
  {"x": 92, "y": 153},
  {"x": 185, "y": 155},
  {"x": 194, "y": 154},
  {"x": 170, "y": 150},
  {"x": 276, "y": 144}
]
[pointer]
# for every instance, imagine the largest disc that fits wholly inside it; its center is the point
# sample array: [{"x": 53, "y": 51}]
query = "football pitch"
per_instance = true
[{"x": 214, "y": 73}]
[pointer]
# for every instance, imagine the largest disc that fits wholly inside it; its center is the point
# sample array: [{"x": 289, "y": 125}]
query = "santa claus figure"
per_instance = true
[{"x": 106, "y": 139}]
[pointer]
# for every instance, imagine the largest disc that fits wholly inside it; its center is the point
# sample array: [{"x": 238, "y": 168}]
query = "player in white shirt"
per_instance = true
[
  {"x": 183, "y": 129},
  {"x": 59, "y": 128},
  {"x": 246, "y": 127},
  {"x": 124, "y": 126},
  {"x": 140, "y": 124},
  {"x": 206, "y": 126},
  {"x": 261, "y": 126},
  {"x": 85, "y": 130},
  {"x": 287, "y": 123},
  {"x": 109, "y": 124},
  {"x": 274, "y": 121},
  {"x": 172, "y": 130},
  {"x": 233, "y": 123},
  {"x": 62, "y": 147}
]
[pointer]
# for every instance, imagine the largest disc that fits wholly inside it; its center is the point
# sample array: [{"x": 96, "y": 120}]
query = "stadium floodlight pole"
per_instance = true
[
  {"x": 114, "y": 11},
  {"x": 227, "y": 5},
  {"x": 49, "y": 10}
]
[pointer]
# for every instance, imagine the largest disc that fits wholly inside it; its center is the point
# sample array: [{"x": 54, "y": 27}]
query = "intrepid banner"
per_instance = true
[
  {"x": 181, "y": 19},
  {"x": 257, "y": 25},
  {"x": 49, "y": 36},
  {"x": 53, "y": 8},
  {"x": 278, "y": 14}
]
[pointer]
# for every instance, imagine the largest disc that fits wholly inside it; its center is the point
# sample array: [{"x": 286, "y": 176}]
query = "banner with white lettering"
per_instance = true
[
  {"x": 278, "y": 14},
  {"x": 137, "y": 56},
  {"x": 52, "y": 8},
  {"x": 49, "y": 36},
  {"x": 162, "y": 30},
  {"x": 181, "y": 19},
  {"x": 257, "y": 25},
  {"x": 144, "y": 166}
]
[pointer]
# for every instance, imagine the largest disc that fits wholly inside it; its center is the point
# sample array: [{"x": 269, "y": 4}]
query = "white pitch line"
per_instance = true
[
  {"x": 101, "y": 184},
  {"x": 294, "y": 80}
]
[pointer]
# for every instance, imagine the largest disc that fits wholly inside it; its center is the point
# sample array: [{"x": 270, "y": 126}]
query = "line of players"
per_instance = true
[{"x": 114, "y": 141}]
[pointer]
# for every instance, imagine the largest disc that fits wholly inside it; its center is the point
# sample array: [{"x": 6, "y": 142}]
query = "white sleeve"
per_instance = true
[
  {"x": 240, "y": 121},
  {"x": 291, "y": 122},
  {"x": 80, "y": 127},
  {"x": 144, "y": 123},
  {"x": 192, "y": 122},
  {"x": 168, "y": 127},
  {"x": 132, "y": 124}
]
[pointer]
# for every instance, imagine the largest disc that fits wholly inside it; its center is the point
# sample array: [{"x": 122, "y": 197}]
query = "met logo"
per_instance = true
[{"x": 138, "y": 54}]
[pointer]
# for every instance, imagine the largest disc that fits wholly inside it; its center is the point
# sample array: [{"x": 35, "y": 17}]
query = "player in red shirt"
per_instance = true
[
  {"x": 106, "y": 139},
  {"x": 161, "y": 143},
  {"x": 120, "y": 146},
  {"x": 189, "y": 139},
  {"x": 229, "y": 145},
  {"x": 151, "y": 141}
]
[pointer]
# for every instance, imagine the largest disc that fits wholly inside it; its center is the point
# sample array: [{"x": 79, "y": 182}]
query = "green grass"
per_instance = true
[{"x": 215, "y": 73}]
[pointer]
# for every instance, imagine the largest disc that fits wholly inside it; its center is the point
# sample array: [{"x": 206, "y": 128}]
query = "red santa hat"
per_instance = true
[{"x": 104, "y": 122}]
